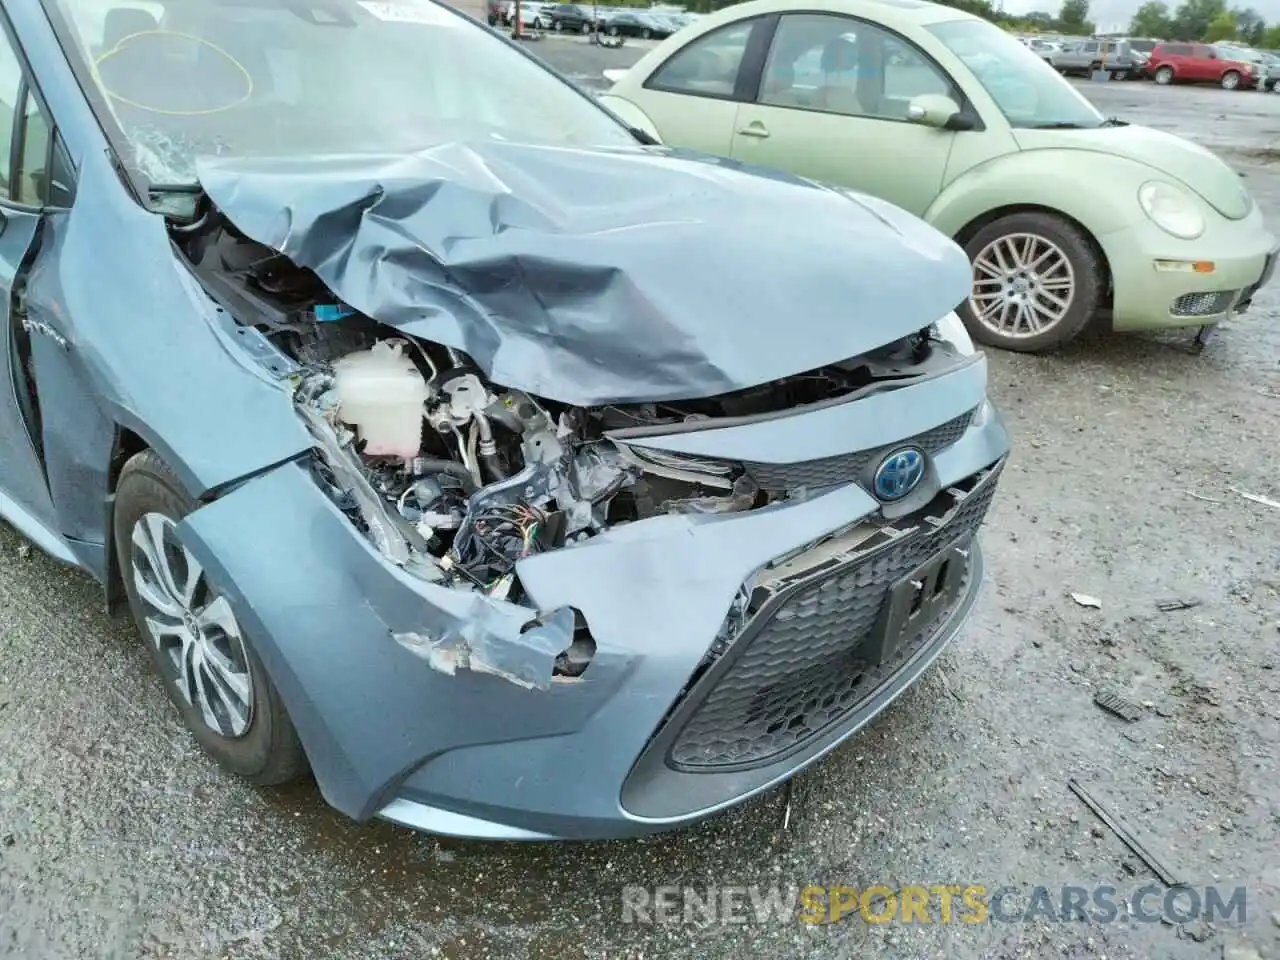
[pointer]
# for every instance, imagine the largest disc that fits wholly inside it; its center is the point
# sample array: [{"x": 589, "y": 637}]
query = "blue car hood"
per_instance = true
[{"x": 598, "y": 276}]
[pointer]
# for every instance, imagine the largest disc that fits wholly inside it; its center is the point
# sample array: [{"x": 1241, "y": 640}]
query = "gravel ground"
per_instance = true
[{"x": 119, "y": 839}]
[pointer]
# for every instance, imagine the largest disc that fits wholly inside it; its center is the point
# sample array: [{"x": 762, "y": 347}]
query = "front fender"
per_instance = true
[{"x": 1098, "y": 191}]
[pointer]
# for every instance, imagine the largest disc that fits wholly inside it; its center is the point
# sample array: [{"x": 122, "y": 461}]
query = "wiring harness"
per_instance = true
[{"x": 498, "y": 537}]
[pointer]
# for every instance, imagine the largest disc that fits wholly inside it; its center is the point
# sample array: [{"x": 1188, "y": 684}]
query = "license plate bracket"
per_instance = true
[{"x": 917, "y": 599}]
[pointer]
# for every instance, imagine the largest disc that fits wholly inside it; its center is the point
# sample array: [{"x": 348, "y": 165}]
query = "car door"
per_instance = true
[
  {"x": 693, "y": 97},
  {"x": 1180, "y": 58},
  {"x": 832, "y": 103},
  {"x": 1202, "y": 64},
  {"x": 24, "y": 136}
]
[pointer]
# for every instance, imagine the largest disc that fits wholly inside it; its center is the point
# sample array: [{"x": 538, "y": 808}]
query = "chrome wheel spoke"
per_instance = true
[
  {"x": 1024, "y": 254},
  {"x": 218, "y": 616},
  {"x": 151, "y": 575},
  {"x": 226, "y": 691},
  {"x": 1023, "y": 284},
  {"x": 157, "y": 546},
  {"x": 195, "y": 631},
  {"x": 207, "y": 694},
  {"x": 184, "y": 661},
  {"x": 1044, "y": 255},
  {"x": 154, "y": 596}
]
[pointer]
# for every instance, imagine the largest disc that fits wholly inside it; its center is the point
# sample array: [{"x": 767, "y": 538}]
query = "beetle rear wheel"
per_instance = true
[{"x": 1037, "y": 282}]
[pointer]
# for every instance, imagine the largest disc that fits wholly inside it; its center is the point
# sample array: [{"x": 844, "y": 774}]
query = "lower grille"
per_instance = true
[
  {"x": 797, "y": 666},
  {"x": 1202, "y": 304},
  {"x": 828, "y": 471}
]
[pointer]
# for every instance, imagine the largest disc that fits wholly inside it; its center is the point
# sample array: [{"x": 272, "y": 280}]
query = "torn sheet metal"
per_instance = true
[
  {"x": 323, "y": 608},
  {"x": 526, "y": 658},
  {"x": 594, "y": 276}
]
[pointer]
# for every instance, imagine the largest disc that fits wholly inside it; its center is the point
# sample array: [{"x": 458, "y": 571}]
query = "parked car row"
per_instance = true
[
  {"x": 1232, "y": 66},
  {"x": 657, "y": 24},
  {"x": 1124, "y": 59}
]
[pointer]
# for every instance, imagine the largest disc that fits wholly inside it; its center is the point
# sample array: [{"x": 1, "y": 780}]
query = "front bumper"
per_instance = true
[
  {"x": 1157, "y": 285},
  {"x": 472, "y": 754}
]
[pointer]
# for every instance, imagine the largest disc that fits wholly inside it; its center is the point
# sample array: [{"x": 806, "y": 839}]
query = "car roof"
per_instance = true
[{"x": 887, "y": 11}]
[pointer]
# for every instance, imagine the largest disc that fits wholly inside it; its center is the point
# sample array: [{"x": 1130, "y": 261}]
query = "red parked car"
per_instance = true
[{"x": 1201, "y": 63}]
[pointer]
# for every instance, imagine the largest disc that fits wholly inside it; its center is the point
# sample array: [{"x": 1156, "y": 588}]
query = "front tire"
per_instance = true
[
  {"x": 1037, "y": 282},
  {"x": 1231, "y": 80},
  {"x": 209, "y": 668},
  {"x": 1164, "y": 76}
]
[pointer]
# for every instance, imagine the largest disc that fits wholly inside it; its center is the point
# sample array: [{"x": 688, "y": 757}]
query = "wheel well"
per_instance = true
[
  {"x": 967, "y": 232},
  {"x": 128, "y": 444}
]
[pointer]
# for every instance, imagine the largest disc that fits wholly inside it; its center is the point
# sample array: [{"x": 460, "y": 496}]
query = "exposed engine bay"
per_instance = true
[{"x": 456, "y": 478}]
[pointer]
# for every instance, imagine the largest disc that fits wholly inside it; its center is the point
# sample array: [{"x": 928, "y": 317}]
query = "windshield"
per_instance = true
[
  {"x": 1026, "y": 89},
  {"x": 1142, "y": 46},
  {"x": 290, "y": 78}
]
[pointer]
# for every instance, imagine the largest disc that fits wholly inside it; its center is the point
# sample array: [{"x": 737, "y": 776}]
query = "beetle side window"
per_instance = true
[
  {"x": 832, "y": 64},
  {"x": 708, "y": 66}
]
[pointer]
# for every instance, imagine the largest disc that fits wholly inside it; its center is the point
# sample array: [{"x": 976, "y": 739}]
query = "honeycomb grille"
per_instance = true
[
  {"x": 828, "y": 471},
  {"x": 1201, "y": 304},
  {"x": 801, "y": 669}
]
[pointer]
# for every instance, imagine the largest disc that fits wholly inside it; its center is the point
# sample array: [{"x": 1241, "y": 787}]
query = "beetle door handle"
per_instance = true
[{"x": 754, "y": 129}]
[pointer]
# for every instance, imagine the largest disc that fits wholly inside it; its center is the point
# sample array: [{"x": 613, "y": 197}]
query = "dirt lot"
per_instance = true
[{"x": 119, "y": 839}]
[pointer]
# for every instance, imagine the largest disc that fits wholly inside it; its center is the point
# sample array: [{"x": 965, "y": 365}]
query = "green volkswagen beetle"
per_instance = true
[{"x": 1066, "y": 215}]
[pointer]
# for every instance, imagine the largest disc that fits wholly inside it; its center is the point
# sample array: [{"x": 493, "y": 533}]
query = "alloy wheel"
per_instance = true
[
  {"x": 1023, "y": 285},
  {"x": 1230, "y": 80},
  {"x": 193, "y": 628}
]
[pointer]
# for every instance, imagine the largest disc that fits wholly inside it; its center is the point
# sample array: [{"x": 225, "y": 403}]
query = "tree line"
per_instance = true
[{"x": 1207, "y": 20}]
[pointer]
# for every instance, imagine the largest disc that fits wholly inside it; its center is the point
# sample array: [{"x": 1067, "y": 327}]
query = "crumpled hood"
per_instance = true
[
  {"x": 1198, "y": 169},
  {"x": 595, "y": 276}
]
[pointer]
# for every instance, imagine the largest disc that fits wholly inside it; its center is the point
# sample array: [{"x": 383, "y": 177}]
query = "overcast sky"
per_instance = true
[{"x": 1115, "y": 14}]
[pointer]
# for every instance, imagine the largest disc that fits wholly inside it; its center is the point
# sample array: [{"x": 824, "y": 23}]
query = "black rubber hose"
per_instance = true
[{"x": 453, "y": 469}]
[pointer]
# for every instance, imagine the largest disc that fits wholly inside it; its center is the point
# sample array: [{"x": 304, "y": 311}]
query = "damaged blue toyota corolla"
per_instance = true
[{"x": 518, "y": 478}]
